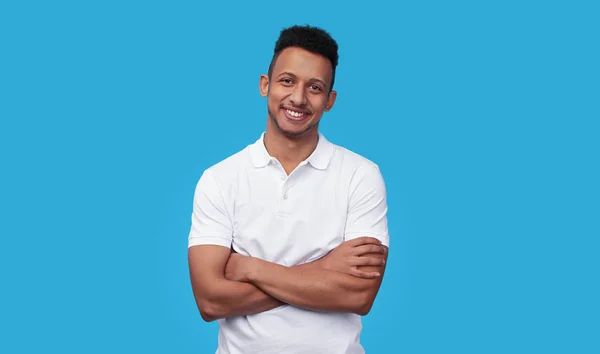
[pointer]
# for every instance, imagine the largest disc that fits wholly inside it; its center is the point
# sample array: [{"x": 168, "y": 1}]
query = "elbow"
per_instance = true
[
  {"x": 208, "y": 310},
  {"x": 363, "y": 304},
  {"x": 209, "y": 304},
  {"x": 364, "y": 309},
  {"x": 207, "y": 316}
]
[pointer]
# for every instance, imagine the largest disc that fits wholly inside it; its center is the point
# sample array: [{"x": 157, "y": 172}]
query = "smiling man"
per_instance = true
[{"x": 289, "y": 236}]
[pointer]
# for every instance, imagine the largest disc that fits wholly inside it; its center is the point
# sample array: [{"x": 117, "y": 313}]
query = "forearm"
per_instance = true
[
  {"x": 311, "y": 287},
  {"x": 228, "y": 298}
]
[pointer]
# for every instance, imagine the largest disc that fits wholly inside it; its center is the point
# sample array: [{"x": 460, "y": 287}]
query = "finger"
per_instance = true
[
  {"x": 365, "y": 275},
  {"x": 366, "y": 249},
  {"x": 363, "y": 241},
  {"x": 367, "y": 261}
]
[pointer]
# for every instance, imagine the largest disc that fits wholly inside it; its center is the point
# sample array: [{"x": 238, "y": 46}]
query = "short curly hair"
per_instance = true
[{"x": 310, "y": 38}]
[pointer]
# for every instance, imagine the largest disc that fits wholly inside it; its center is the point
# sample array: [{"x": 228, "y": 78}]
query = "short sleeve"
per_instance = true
[
  {"x": 211, "y": 224},
  {"x": 367, "y": 210}
]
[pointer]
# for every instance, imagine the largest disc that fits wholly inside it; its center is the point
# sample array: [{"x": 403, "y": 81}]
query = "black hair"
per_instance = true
[{"x": 312, "y": 39}]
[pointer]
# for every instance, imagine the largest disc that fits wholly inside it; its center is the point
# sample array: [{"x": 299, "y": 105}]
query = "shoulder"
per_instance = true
[
  {"x": 226, "y": 170},
  {"x": 352, "y": 162},
  {"x": 231, "y": 164},
  {"x": 359, "y": 172}
]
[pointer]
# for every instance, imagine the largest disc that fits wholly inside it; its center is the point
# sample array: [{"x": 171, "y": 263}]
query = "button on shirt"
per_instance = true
[{"x": 248, "y": 202}]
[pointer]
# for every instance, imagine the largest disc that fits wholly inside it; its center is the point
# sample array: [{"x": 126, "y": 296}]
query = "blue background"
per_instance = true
[{"x": 483, "y": 116}]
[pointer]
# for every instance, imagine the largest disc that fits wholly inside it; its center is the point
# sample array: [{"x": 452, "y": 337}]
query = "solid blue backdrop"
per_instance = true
[{"x": 483, "y": 117}]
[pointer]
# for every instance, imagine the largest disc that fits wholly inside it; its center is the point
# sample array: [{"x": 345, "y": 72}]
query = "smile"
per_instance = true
[
  {"x": 294, "y": 113},
  {"x": 295, "y": 116}
]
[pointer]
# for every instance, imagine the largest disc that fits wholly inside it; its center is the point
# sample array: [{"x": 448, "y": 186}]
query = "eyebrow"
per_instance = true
[{"x": 294, "y": 76}]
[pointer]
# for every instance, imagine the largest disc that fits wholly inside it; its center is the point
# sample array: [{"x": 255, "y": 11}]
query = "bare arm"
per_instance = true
[
  {"x": 319, "y": 287},
  {"x": 217, "y": 297},
  {"x": 316, "y": 289}
]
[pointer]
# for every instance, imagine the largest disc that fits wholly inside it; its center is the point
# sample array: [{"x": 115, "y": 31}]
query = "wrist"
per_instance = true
[{"x": 316, "y": 264}]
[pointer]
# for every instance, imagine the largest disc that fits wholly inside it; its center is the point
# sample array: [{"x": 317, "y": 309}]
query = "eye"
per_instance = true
[
  {"x": 287, "y": 81},
  {"x": 315, "y": 87}
]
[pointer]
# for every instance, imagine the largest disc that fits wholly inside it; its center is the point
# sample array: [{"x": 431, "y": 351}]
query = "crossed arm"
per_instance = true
[{"x": 227, "y": 284}]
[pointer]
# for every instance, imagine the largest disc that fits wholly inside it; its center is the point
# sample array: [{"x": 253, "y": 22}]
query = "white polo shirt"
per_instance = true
[{"x": 248, "y": 201}]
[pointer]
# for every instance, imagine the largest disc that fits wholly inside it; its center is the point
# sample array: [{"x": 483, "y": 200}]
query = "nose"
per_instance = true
[{"x": 298, "y": 97}]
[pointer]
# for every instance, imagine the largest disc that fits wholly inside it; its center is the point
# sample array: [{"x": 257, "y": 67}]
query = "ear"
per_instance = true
[
  {"x": 264, "y": 85},
  {"x": 330, "y": 100}
]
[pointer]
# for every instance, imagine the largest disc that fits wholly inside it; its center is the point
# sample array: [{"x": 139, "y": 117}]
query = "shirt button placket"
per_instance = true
[
  {"x": 284, "y": 178},
  {"x": 284, "y": 195}
]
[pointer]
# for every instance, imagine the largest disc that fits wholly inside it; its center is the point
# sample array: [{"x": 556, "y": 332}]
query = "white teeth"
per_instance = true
[{"x": 294, "y": 114}]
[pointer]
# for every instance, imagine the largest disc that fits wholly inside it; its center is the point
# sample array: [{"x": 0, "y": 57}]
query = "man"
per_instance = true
[{"x": 289, "y": 236}]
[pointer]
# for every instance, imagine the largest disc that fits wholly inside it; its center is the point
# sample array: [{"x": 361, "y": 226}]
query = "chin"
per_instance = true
[
  {"x": 291, "y": 130},
  {"x": 295, "y": 131}
]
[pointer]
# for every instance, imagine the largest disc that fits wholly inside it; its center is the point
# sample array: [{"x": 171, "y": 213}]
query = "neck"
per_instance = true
[{"x": 290, "y": 151}]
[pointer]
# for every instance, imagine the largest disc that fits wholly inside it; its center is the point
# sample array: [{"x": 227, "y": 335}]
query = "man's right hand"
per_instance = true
[{"x": 350, "y": 255}]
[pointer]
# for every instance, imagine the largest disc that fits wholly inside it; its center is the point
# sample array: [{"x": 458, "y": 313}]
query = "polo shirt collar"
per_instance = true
[
  {"x": 258, "y": 153},
  {"x": 319, "y": 159}
]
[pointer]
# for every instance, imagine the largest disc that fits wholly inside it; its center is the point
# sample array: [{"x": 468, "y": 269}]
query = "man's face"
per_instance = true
[{"x": 298, "y": 91}]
